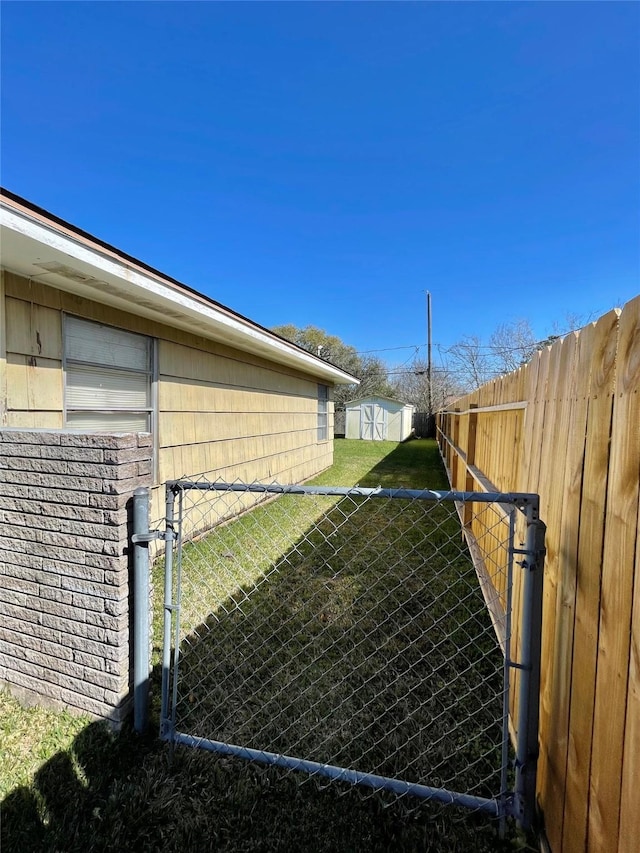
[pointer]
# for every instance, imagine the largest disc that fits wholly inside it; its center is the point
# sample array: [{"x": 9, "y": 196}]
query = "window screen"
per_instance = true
[{"x": 108, "y": 377}]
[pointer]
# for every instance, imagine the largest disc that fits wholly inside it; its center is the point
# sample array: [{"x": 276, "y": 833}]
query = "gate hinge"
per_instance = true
[
  {"x": 145, "y": 538},
  {"x": 515, "y": 665}
]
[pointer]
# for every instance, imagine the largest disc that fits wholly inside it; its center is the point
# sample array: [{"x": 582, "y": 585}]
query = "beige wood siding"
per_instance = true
[
  {"x": 200, "y": 398},
  {"x": 3, "y": 355},
  {"x": 221, "y": 411},
  {"x": 33, "y": 341}
]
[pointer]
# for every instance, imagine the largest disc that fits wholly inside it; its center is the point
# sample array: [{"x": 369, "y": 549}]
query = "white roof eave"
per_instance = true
[{"x": 26, "y": 243}]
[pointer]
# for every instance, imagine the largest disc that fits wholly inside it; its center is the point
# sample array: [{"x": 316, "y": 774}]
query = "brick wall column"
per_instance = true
[{"x": 64, "y": 566}]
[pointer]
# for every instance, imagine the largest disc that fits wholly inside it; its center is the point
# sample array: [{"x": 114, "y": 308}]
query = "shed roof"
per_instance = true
[
  {"x": 41, "y": 246},
  {"x": 378, "y": 397}
]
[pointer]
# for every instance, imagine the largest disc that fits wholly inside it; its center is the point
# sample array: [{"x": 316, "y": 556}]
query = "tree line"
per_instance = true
[
  {"x": 462, "y": 367},
  {"x": 370, "y": 370}
]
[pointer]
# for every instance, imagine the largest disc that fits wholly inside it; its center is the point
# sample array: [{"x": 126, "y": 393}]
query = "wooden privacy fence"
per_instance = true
[
  {"x": 423, "y": 424},
  {"x": 567, "y": 426}
]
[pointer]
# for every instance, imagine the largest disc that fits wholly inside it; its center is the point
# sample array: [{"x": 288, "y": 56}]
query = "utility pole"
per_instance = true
[{"x": 429, "y": 374}]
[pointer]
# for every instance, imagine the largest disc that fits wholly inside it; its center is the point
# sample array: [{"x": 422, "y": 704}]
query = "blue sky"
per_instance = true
[{"x": 325, "y": 163}]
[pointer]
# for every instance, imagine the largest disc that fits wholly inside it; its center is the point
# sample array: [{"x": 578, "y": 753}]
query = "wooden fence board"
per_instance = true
[
  {"x": 592, "y": 510},
  {"x": 552, "y": 461},
  {"x": 562, "y": 541},
  {"x": 565, "y": 602},
  {"x": 576, "y": 442},
  {"x": 531, "y": 449},
  {"x": 629, "y": 810},
  {"x": 617, "y": 589}
]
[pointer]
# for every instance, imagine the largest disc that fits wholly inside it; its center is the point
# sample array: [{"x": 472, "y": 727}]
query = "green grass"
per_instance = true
[
  {"x": 28, "y": 738},
  {"x": 343, "y": 644},
  {"x": 263, "y": 535},
  {"x": 71, "y": 785}
]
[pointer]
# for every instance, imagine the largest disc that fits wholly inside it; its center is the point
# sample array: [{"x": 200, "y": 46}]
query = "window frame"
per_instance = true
[
  {"x": 323, "y": 398},
  {"x": 151, "y": 372}
]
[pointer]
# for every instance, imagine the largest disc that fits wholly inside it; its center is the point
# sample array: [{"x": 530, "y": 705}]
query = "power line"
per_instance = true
[
  {"x": 484, "y": 347},
  {"x": 491, "y": 348},
  {"x": 389, "y": 349},
  {"x": 437, "y": 371}
]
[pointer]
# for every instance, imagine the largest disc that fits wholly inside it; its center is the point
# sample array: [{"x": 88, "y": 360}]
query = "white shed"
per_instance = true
[{"x": 378, "y": 418}]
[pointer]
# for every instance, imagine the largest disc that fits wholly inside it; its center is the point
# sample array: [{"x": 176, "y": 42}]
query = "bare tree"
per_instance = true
[
  {"x": 511, "y": 345},
  {"x": 411, "y": 385},
  {"x": 470, "y": 361}
]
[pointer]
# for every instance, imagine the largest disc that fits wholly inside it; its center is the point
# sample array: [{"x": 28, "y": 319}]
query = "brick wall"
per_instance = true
[{"x": 64, "y": 566}]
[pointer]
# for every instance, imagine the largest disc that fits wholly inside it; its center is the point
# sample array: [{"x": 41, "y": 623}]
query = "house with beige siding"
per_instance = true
[
  {"x": 93, "y": 340},
  {"x": 113, "y": 374}
]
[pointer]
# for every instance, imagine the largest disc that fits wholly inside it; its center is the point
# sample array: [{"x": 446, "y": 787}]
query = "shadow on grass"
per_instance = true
[
  {"x": 120, "y": 792},
  {"x": 128, "y": 798},
  {"x": 366, "y": 646}
]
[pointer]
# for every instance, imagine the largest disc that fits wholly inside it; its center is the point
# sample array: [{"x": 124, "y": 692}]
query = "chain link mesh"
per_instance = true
[{"x": 349, "y": 631}]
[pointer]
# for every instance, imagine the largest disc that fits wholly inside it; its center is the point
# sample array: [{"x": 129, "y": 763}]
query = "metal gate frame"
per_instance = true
[{"x": 520, "y": 803}]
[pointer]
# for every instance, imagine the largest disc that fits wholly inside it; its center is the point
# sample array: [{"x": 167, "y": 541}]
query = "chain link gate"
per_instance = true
[{"x": 357, "y": 634}]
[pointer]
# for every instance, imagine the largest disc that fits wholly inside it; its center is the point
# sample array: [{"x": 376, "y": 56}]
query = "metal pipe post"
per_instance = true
[
  {"x": 529, "y": 693},
  {"x": 140, "y": 609},
  {"x": 507, "y": 676},
  {"x": 165, "y": 717},
  {"x": 175, "y": 611}
]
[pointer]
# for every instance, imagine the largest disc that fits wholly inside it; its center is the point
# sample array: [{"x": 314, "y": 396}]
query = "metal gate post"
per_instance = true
[
  {"x": 529, "y": 666},
  {"x": 166, "y": 728},
  {"x": 175, "y": 610},
  {"x": 140, "y": 540}
]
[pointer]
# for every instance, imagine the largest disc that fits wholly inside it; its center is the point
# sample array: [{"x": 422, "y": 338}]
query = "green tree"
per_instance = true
[{"x": 371, "y": 371}]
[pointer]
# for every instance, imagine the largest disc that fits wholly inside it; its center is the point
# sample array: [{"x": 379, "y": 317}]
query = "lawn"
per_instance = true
[{"x": 271, "y": 661}]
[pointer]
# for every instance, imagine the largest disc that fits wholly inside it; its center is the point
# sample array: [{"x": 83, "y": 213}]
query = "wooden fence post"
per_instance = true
[
  {"x": 455, "y": 438},
  {"x": 447, "y": 449},
  {"x": 471, "y": 460}
]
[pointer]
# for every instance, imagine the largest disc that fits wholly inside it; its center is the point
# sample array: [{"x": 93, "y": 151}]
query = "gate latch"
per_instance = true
[{"x": 145, "y": 538}]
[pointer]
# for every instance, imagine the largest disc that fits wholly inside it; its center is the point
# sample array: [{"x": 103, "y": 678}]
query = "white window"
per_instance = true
[
  {"x": 108, "y": 378},
  {"x": 323, "y": 412}
]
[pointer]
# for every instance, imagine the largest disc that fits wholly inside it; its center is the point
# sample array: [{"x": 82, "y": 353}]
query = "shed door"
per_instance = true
[{"x": 373, "y": 422}]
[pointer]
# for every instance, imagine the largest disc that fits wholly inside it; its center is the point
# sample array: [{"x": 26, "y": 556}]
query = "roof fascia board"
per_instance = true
[{"x": 167, "y": 294}]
